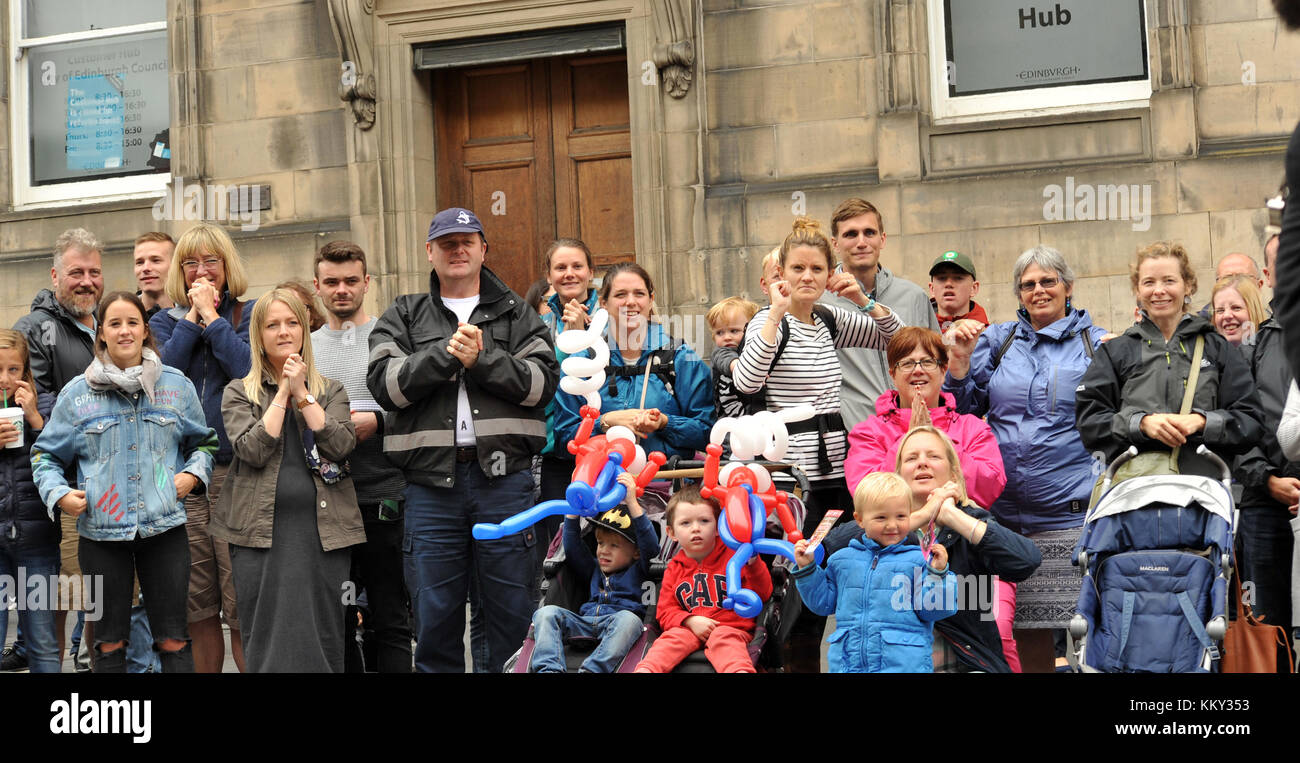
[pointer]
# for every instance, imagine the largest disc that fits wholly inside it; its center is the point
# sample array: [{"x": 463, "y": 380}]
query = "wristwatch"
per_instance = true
[{"x": 306, "y": 401}]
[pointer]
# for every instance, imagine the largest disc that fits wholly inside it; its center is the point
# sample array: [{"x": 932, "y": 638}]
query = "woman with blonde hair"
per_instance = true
[
  {"x": 1237, "y": 309},
  {"x": 290, "y": 515},
  {"x": 979, "y": 548},
  {"x": 206, "y": 336}
]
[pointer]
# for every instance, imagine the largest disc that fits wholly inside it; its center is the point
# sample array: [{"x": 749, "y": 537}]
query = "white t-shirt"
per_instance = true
[{"x": 463, "y": 308}]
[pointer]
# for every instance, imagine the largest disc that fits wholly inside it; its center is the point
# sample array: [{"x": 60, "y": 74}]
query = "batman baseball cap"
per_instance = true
[
  {"x": 955, "y": 259},
  {"x": 617, "y": 520},
  {"x": 453, "y": 220}
]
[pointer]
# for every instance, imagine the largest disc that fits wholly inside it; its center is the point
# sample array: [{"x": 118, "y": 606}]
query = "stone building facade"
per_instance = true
[{"x": 740, "y": 114}]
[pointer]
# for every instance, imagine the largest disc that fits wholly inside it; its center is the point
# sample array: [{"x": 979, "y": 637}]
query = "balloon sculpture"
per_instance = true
[
  {"x": 747, "y": 495},
  {"x": 595, "y": 488}
]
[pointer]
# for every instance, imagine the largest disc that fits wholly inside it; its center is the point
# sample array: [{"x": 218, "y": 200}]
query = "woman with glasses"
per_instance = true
[
  {"x": 917, "y": 361},
  {"x": 1022, "y": 374},
  {"x": 206, "y": 337}
]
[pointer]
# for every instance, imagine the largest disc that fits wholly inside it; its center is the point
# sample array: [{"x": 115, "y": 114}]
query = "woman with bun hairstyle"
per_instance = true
[
  {"x": 807, "y": 369},
  {"x": 789, "y": 353}
]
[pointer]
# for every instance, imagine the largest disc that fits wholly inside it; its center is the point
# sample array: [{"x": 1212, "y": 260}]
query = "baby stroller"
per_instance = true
[
  {"x": 1156, "y": 555},
  {"x": 562, "y": 589}
]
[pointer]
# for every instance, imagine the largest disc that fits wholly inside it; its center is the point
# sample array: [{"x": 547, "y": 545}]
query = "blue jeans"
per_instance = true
[
  {"x": 140, "y": 656},
  {"x": 1266, "y": 542},
  {"x": 440, "y": 557},
  {"x": 37, "y": 623},
  {"x": 617, "y": 633}
]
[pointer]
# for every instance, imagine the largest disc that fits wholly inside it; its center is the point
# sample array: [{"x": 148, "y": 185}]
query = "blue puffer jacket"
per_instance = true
[
  {"x": 688, "y": 405},
  {"x": 1029, "y": 400},
  {"x": 552, "y": 321},
  {"x": 127, "y": 450},
  {"x": 621, "y": 590},
  {"x": 210, "y": 356},
  {"x": 885, "y": 599},
  {"x": 24, "y": 524}
]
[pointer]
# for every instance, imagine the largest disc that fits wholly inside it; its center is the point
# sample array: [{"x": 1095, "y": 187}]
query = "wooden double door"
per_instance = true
[{"x": 539, "y": 150}]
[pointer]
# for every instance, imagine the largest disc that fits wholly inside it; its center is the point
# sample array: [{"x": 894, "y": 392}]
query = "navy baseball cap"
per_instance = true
[{"x": 453, "y": 220}]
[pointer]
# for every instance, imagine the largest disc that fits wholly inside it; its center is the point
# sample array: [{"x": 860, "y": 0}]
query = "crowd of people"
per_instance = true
[{"x": 311, "y": 477}]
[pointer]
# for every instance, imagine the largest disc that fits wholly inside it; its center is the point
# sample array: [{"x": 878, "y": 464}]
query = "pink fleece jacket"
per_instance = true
[{"x": 873, "y": 445}]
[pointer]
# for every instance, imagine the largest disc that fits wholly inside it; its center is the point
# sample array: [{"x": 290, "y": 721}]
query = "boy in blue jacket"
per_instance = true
[
  {"x": 625, "y": 544},
  {"x": 885, "y": 596}
]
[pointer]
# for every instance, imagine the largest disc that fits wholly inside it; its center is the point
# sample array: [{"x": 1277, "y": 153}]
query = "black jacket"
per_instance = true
[
  {"x": 1273, "y": 379},
  {"x": 1286, "y": 297},
  {"x": 59, "y": 346},
  {"x": 1138, "y": 373},
  {"x": 973, "y": 631},
  {"x": 412, "y": 375},
  {"x": 25, "y": 525}
]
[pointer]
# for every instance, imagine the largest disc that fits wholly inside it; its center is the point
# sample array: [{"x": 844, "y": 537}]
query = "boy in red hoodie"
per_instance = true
[{"x": 695, "y": 583}]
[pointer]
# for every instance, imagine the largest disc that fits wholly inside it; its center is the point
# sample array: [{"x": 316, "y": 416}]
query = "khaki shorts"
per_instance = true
[
  {"x": 69, "y": 564},
  {"x": 212, "y": 589}
]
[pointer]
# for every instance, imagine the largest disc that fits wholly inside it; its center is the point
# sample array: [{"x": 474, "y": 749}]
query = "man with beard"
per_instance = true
[
  {"x": 60, "y": 329},
  {"x": 60, "y": 333},
  {"x": 342, "y": 350}
]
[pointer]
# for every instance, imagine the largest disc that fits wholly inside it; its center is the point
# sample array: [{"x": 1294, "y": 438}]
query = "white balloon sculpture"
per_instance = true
[
  {"x": 585, "y": 376},
  {"x": 761, "y": 434}
]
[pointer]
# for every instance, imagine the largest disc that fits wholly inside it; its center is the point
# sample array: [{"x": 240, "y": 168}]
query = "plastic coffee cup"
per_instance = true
[{"x": 15, "y": 417}]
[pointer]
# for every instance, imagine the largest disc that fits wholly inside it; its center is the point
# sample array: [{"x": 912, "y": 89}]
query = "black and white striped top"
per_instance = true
[{"x": 808, "y": 371}]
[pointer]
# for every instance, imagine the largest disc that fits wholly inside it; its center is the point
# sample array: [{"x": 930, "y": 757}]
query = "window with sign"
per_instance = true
[
  {"x": 995, "y": 57},
  {"x": 91, "y": 112}
]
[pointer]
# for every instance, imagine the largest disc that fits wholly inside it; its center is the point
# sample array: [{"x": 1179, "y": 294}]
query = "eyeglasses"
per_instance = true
[
  {"x": 907, "y": 366},
  {"x": 210, "y": 263},
  {"x": 1046, "y": 283}
]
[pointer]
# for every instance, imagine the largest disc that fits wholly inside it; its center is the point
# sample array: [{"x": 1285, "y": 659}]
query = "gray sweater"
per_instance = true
[
  {"x": 866, "y": 372},
  {"x": 343, "y": 356}
]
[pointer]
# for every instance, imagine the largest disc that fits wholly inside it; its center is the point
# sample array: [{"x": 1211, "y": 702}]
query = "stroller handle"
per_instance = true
[
  {"x": 1117, "y": 463},
  {"x": 1224, "y": 471}
]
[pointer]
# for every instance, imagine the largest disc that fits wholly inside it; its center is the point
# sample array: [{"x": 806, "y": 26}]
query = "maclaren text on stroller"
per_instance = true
[{"x": 1156, "y": 555}]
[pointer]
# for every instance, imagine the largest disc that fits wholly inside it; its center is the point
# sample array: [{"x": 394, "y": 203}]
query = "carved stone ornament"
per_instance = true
[
  {"x": 674, "y": 53},
  {"x": 351, "y": 22}
]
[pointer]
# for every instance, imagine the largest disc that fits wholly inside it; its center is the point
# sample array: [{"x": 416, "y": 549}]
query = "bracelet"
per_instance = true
[
  {"x": 280, "y": 406},
  {"x": 871, "y": 305}
]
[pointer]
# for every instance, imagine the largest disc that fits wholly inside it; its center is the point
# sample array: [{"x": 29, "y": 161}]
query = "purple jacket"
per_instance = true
[{"x": 873, "y": 445}]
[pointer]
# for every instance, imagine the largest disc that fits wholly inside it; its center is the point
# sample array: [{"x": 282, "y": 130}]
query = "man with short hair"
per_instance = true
[
  {"x": 60, "y": 332},
  {"x": 151, "y": 261},
  {"x": 858, "y": 234},
  {"x": 466, "y": 369},
  {"x": 342, "y": 351},
  {"x": 953, "y": 286}
]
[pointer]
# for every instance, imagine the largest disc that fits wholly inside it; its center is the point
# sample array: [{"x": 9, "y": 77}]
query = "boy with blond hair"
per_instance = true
[{"x": 727, "y": 321}]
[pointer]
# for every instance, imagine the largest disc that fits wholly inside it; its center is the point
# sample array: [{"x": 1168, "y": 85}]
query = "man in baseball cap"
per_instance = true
[
  {"x": 952, "y": 290},
  {"x": 466, "y": 370}
]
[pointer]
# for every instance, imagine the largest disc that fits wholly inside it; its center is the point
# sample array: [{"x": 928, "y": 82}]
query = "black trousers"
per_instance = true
[
  {"x": 377, "y": 569},
  {"x": 162, "y": 563}
]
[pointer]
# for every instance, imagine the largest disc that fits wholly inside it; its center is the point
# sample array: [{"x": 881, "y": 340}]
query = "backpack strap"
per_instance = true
[
  {"x": 828, "y": 317},
  {"x": 1006, "y": 345},
  {"x": 662, "y": 363}
]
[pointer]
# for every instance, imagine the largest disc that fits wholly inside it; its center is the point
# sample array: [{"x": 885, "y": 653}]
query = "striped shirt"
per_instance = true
[{"x": 808, "y": 371}]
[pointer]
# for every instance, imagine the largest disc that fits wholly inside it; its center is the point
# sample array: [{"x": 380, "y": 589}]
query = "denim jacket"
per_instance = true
[{"x": 127, "y": 451}]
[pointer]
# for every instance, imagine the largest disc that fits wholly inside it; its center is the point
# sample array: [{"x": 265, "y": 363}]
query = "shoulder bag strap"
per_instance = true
[{"x": 1190, "y": 392}]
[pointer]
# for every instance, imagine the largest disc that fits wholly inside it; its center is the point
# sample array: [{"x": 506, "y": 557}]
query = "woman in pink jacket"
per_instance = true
[{"x": 918, "y": 361}]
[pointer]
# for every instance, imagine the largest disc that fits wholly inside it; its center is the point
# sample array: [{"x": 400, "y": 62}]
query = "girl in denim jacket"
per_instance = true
[{"x": 136, "y": 433}]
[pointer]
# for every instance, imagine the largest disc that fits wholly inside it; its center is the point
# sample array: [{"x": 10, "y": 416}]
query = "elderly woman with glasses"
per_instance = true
[
  {"x": 206, "y": 337},
  {"x": 1022, "y": 375}
]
